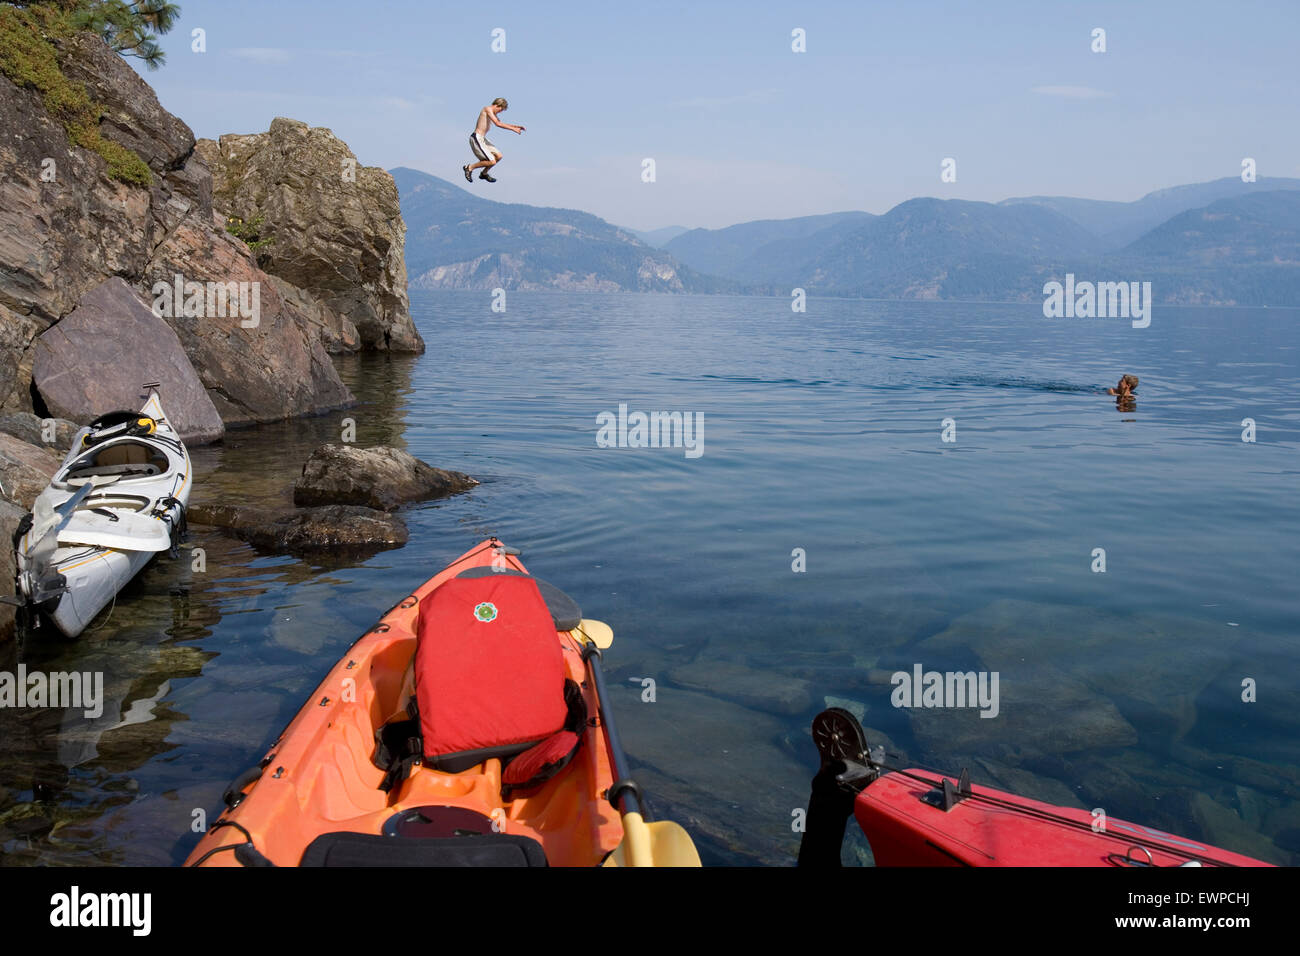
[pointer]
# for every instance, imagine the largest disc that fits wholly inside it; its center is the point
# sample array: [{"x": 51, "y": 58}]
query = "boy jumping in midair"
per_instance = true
[{"x": 488, "y": 154}]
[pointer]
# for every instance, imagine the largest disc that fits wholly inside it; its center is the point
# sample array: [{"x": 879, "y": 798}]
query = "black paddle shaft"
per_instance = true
[{"x": 624, "y": 794}]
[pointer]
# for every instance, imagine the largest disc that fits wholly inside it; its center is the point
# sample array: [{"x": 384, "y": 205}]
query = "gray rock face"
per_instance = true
[
  {"x": 132, "y": 115},
  {"x": 10, "y": 515},
  {"x": 60, "y": 238},
  {"x": 17, "y": 332},
  {"x": 381, "y": 477},
  {"x": 66, "y": 226},
  {"x": 25, "y": 470},
  {"x": 306, "y": 530},
  {"x": 33, "y": 429},
  {"x": 338, "y": 229},
  {"x": 336, "y": 331},
  {"x": 275, "y": 370},
  {"x": 96, "y": 359}
]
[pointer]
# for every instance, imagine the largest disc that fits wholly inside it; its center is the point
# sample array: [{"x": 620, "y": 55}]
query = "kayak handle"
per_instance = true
[
  {"x": 1128, "y": 856},
  {"x": 249, "y": 855},
  {"x": 234, "y": 794}
]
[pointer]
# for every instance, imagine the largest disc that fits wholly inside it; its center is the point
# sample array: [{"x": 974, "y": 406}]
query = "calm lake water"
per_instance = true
[{"x": 822, "y": 432}]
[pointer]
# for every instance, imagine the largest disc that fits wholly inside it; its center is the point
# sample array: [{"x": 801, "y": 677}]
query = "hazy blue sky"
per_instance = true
[{"x": 741, "y": 127}]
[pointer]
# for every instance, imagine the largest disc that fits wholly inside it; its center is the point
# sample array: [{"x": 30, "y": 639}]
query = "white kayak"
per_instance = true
[{"x": 117, "y": 500}]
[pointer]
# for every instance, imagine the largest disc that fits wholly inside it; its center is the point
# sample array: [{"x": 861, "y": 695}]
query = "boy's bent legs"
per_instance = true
[{"x": 488, "y": 155}]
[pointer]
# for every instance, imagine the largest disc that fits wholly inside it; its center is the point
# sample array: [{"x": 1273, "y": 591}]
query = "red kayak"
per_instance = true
[{"x": 920, "y": 818}]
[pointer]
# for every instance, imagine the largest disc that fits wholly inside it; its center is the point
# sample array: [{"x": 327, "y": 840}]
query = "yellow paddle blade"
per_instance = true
[
  {"x": 662, "y": 843},
  {"x": 597, "y": 632}
]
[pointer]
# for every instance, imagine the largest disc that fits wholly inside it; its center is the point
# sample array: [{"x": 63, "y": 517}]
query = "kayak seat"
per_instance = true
[
  {"x": 369, "y": 849},
  {"x": 124, "y": 453},
  {"x": 128, "y": 459},
  {"x": 489, "y": 682},
  {"x": 126, "y": 471}
]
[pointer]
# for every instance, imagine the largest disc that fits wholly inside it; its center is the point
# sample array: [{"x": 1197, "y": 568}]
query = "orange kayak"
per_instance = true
[{"x": 465, "y": 728}]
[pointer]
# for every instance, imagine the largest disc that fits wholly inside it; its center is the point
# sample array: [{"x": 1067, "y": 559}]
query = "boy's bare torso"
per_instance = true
[{"x": 485, "y": 117}]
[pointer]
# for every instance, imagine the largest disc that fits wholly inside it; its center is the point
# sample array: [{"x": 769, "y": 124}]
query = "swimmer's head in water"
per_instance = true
[
  {"x": 501, "y": 102},
  {"x": 1130, "y": 380}
]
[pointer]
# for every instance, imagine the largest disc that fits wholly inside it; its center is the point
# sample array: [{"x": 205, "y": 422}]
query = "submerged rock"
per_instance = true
[
  {"x": 380, "y": 477},
  {"x": 96, "y": 359},
  {"x": 1146, "y": 670},
  {"x": 769, "y": 691},
  {"x": 346, "y": 527},
  {"x": 1040, "y": 710},
  {"x": 717, "y": 768},
  {"x": 304, "y": 530},
  {"x": 855, "y": 707},
  {"x": 1210, "y": 820},
  {"x": 1022, "y": 783}
]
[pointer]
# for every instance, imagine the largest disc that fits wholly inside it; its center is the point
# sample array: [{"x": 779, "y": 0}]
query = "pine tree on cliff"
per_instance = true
[{"x": 129, "y": 28}]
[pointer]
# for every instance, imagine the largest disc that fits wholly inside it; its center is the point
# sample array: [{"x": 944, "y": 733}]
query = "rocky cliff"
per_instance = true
[
  {"x": 134, "y": 213},
  {"x": 333, "y": 230},
  {"x": 117, "y": 269}
]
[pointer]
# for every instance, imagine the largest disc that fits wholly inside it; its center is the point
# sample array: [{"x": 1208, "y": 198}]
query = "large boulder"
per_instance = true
[
  {"x": 336, "y": 226},
  {"x": 380, "y": 477},
  {"x": 96, "y": 359},
  {"x": 25, "y": 470},
  {"x": 267, "y": 371}
]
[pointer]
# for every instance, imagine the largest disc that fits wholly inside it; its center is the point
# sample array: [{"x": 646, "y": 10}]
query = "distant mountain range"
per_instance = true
[
  {"x": 1120, "y": 223},
  {"x": 455, "y": 240},
  {"x": 750, "y": 251},
  {"x": 1222, "y": 242},
  {"x": 659, "y": 237}
]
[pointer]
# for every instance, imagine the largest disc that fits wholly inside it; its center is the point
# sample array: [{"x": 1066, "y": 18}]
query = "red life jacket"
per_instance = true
[{"x": 489, "y": 682}]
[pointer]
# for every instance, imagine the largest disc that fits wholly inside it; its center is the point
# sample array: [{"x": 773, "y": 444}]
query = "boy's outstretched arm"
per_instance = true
[{"x": 513, "y": 129}]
